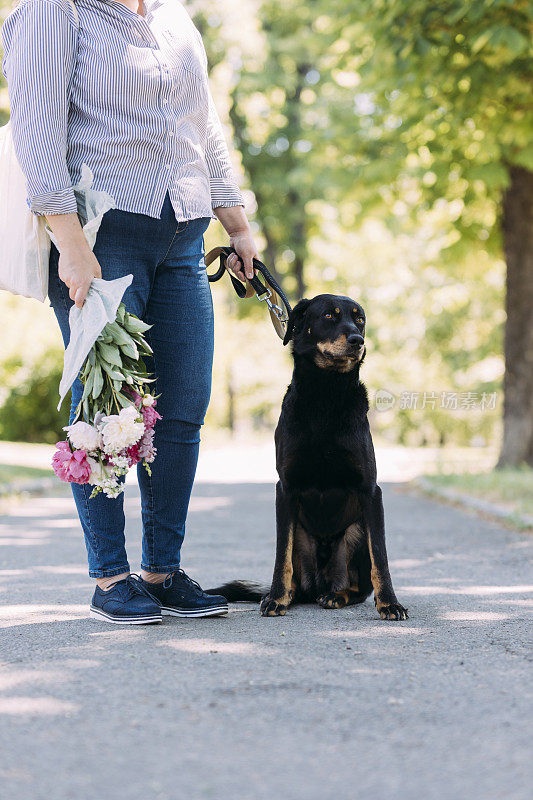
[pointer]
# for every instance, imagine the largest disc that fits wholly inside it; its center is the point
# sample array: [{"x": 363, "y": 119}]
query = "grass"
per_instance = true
[
  {"x": 11, "y": 473},
  {"x": 511, "y": 488}
]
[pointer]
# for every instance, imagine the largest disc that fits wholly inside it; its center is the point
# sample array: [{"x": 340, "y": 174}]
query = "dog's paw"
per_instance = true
[
  {"x": 392, "y": 611},
  {"x": 332, "y": 600},
  {"x": 271, "y": 608}
]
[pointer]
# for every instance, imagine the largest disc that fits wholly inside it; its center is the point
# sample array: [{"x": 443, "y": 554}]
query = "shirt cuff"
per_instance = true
[
  {"x": 225, "y": 192},
  {"x": 62, "y": 201}
]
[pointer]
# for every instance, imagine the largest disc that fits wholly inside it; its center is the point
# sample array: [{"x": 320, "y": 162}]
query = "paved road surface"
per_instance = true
[{"x": 318, "y": 705}]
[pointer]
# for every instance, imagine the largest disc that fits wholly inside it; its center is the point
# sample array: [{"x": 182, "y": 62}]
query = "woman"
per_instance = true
[{"x": 122, "y": 86}]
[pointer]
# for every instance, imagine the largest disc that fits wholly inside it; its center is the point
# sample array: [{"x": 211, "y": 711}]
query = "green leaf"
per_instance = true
[
  {"x": 135, "y": 325},
  {"x": 106, "y": 396},
  {"x": 119, "y": 334},
  {"x": 98, "y": 382},
  {"x": 145, "y": 347},
  {"x": 87, "y": 389},
  {"x": 77, "y": 413},
  {"x": 110, "y": 353},
  {"x": 124, "y": 401},
  {"x": 112, "y": 371},
  {"x": 130, "y": 350},
  {"x": 121, "y": 311}
]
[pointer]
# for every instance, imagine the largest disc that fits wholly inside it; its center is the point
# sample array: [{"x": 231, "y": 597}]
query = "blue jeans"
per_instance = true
[{"x": 170, "y": 291}]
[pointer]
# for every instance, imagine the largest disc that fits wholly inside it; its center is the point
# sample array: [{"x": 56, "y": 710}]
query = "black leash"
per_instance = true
[{"x": 270, "y": 291}]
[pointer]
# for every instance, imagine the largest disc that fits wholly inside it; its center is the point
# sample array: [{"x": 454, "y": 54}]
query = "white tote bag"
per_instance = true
[{"x": 25, "y": 244}]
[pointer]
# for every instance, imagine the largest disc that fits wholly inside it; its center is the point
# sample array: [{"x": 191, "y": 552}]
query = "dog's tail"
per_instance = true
[{"x": 240, "y": 590}]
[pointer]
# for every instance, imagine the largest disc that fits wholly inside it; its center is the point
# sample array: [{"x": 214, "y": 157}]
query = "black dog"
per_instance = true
[{"x": 329, "y": 512}]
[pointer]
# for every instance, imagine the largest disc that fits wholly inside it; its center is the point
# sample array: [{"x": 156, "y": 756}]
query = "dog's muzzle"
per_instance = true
[{"x": 341, "y": 354}]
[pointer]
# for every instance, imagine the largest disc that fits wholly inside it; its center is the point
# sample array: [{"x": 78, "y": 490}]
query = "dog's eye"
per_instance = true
[
  {"x": 360, "y": 320},
  {"x": 327, "y": 315}
]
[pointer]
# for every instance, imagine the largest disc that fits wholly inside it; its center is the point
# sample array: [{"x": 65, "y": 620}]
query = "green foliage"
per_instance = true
[
  {"x": 29, "y": 413},
  {"x": 512, "y": 487},
  {"x": 114, "y": 367},
  {"x": 284, "y": 110},
  {"x": 443, "y": 108}
]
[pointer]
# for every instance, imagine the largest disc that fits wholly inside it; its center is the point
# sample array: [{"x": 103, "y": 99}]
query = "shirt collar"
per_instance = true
[{"x": 149, "y": 6}]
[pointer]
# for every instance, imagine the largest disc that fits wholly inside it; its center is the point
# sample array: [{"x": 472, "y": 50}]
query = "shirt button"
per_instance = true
[{"x": 165, "y": 101}]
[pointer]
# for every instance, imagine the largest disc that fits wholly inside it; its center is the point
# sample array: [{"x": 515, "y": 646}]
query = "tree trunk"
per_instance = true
[{"x": 517, "y": 446}]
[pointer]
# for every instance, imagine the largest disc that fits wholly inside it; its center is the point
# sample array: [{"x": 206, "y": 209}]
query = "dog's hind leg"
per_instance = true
[{"x": 276, "y": 602}]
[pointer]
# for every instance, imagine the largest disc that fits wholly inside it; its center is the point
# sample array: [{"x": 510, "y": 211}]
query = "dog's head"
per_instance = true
[{"x": 329, "y": 329}]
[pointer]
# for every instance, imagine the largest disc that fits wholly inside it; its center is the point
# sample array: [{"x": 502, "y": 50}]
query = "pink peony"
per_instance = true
[
  {"x": 71, "y": 466},
  {"x": 150, "y": 416}
]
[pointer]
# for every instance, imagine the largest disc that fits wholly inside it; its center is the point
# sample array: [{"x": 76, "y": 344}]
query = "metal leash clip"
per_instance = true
[
  {"x": 265, "y": 292},
  {"x": 280, "y": 313}
]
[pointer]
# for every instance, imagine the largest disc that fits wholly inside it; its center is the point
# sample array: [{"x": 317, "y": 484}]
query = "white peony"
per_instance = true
[
  {"x": 121, "y": 430},
  {"x": 99, "y": 473},
  {"x": 84, "y": 436},
  {"x": 148, "y": 400}
]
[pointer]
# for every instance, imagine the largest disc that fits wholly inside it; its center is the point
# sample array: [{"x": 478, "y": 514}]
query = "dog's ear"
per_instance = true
[{"x": 295, "y": 319}]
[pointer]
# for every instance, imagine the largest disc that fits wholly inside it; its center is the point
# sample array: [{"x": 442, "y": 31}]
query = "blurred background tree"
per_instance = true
[
  {"x": 375, "y": 144},
  {"x": 444, "y": 102}
]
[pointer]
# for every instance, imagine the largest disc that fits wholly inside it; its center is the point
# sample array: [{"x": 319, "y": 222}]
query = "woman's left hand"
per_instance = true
[
  {"x": 244, "y": 246},
  {"x": 235, "y": 221}
]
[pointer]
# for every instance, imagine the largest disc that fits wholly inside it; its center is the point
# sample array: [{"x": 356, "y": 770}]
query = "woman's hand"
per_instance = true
[
  {"x": 244, "y": 246},
  {"x": 77, "y": 263},
  {"x": 77, "y": 268},
  {"x": 234, "y": 220}
]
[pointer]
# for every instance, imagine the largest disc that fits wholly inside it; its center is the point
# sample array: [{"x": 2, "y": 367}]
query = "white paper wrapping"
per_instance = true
[
  {"x": 92, "y": 206},
  {"x": 87, "y": 323}
]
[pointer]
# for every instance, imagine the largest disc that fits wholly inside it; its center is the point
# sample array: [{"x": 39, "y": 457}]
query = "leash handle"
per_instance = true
[{"x": 268, "y": 291}]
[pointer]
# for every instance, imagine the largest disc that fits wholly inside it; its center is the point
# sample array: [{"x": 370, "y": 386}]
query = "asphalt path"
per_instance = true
[{"x": 317, "y": 705}]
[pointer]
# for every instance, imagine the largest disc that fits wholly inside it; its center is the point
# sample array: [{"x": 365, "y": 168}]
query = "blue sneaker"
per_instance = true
[
  {"x": 180, "y": 596},
  {"x": 126, "y": 602}
]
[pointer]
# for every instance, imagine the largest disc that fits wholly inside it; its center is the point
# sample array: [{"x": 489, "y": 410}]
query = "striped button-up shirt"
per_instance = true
[{"x": 125, "y": 94}]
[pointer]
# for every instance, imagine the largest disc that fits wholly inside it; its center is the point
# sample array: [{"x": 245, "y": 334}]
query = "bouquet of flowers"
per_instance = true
[{"x": 114, "y": 424}]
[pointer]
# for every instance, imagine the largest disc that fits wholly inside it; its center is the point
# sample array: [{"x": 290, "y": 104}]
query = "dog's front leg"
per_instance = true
[
  {"x": 384, "y": 596},
  {"x": 276, "y": 602}
]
